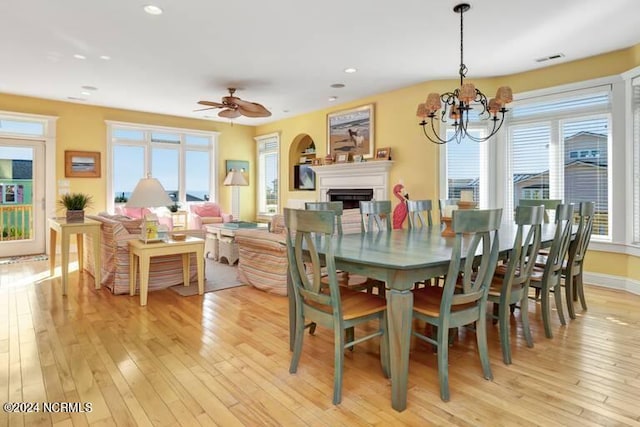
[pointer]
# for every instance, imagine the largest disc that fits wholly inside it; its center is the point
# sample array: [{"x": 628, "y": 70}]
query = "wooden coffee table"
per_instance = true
[{"x": 140, "y": 254}]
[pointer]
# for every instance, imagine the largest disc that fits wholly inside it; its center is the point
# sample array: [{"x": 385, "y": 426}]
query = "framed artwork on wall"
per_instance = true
[
  {"x": 82, "y": 164},
  {"x": 351, "y": 132}
]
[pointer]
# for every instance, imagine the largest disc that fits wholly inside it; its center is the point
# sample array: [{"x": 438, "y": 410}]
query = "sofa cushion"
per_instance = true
[
  {"x": 207, "y": 209},
  {"x": 211, "y": 220}
]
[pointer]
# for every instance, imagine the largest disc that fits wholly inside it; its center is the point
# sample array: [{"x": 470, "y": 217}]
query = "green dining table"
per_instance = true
[{"x": 401, "y": 258}]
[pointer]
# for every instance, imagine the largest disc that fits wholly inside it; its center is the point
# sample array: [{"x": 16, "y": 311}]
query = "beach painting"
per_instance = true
[
  {"x": 82, "y": 164},
  {"x": 351, "y": 132}
]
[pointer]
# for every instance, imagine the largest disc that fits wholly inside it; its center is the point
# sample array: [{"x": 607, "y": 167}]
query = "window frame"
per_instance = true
[{"x": 260, "y": 214}]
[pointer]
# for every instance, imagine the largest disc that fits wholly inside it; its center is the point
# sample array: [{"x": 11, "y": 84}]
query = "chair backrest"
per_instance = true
[
  {"x": 307, "y": 230},
  {"x": 549, "y": 205},
  {"x": 481, "y": 229},
  {"x": 446, "y": 202},
  {"x": 376, "y": 214},
  {"x": 525, "y": 247},
  {"x": 561, "y": 241},
  {"x": 579, "y": 245},
  {"x": 420, "y": 213},
  {"x": 335, "y": 207}
]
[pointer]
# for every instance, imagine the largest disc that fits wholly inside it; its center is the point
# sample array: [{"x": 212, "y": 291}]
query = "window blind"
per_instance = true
[{"x": 635, "y": 109}]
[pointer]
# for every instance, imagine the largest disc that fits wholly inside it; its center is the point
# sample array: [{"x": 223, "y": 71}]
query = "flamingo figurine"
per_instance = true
[{"x": 400, "y": 212}]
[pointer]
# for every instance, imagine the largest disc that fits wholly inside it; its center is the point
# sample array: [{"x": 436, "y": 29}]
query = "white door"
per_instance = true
[{"x": 22, "y": 197}]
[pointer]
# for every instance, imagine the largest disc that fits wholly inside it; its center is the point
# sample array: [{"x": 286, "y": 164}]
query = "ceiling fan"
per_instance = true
[{"x": 236, "y": 107}]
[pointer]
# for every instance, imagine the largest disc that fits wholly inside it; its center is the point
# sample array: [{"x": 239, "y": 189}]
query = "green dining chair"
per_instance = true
[
  {"x": 547, "y": 278},
  {"x": 463, "y": 298},
  {"x": 510, "y": 283},
  {"x": 572, "y": 270},
  {"x": 375, "y": 215},
  {"x": 333, "y": 307},
  {"x": 352, "y": 281},
  {"x": 549, "y": 205},
  {"x": 420, "y": 213}
]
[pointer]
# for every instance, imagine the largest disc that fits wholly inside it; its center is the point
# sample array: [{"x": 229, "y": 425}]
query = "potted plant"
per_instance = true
[
  {"x": 174, "y": 207},
  {"x": 75, "y": 203}
]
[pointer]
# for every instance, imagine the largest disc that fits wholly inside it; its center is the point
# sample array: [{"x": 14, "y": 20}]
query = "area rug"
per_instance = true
[
  {"x": 25, "y": 258},
  {"x": 218, "y": 277}
]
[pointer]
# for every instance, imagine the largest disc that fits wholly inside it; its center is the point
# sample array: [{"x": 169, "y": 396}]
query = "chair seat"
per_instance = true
[
  {"x": 496, "y": 287},
  {"x": 354, "y": 304},
  {"x": 427, "y": 301}
]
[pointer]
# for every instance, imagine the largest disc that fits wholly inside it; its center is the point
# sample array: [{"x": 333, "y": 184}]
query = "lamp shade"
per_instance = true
[
  {"x": 148, "y": 193},
  {"x": 235, "y": 178}
]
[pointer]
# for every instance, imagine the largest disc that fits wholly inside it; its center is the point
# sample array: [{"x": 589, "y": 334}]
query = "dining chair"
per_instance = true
[
  {"x": 463, "y": 298},
  {"x": 420, "y": 213},
  {"x": 333, "y": 307},
  {"x": 510, "y": 284},
  {"x": 547, "y": 278},
  {"x": 376, "y": 215},
  {"x": 446, "y": 202},
  {"x": 352, "y": 281},
  {"x": 572, "y": 270},
  {"x": 549, "y": 205}
]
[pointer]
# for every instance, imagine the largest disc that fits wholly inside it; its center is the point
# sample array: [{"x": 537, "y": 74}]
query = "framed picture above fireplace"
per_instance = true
[{"x": 351, "y": 132}]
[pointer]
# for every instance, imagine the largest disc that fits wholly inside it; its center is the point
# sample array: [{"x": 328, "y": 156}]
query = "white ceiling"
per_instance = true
[{"x": 285, "y": 54}]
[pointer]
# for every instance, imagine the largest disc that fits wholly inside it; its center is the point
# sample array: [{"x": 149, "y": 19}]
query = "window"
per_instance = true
[
  {"x": 558, "y": 148},
  {"x": 635, "y": 110},
  {"x": 466, "y": 167},
  {"x": 182, "y": 160},
  {"x": 268, "y": 174}
]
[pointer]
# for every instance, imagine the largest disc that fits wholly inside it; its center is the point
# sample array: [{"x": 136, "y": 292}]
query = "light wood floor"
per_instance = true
[{"x": 223, "y": 359}]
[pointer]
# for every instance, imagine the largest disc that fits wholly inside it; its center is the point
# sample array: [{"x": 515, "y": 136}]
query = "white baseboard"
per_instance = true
[{"x": 612, "y": 282}]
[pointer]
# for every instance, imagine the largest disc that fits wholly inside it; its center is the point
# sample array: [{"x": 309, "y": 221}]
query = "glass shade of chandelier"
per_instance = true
[{"x": 456, "y": 106}]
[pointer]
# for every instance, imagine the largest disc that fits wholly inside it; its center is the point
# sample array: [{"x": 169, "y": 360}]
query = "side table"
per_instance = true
[{"x": 79, "y": 228}]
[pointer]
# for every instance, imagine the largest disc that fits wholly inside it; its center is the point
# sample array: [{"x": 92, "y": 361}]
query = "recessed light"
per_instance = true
[
  {"x": 85, "y": 93},
  {"x": 153, "y": 10},
  {"x": 332, "y": 98},
  {"x": 285, "y": 111},
  {"x": 105, "y": 57},
  {"x": 337, "y": 85},
  {"x": 78, "y": 56},
  {"x": 350, "y": 70},
  {"x": 89, "y": 87}
]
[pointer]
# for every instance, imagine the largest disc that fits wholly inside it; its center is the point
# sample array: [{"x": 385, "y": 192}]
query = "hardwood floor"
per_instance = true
[{"x": 223, "y": 359}]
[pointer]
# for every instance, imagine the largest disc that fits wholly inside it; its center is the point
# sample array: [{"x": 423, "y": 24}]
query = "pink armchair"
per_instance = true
[{"x": 207, "y": 213}]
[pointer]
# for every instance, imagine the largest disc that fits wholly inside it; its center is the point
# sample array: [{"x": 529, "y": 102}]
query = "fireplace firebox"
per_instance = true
[{"x": 350, "y": 197}]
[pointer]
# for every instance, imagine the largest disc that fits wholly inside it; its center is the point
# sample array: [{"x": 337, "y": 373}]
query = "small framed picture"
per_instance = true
[
  {"x": 316, "y": 162},
  {"x": 357, "y": 158},
  {"x": 383, "y": 153},
  {"x": 342, "y": 158},
  {"x": 303, "y": 159}
]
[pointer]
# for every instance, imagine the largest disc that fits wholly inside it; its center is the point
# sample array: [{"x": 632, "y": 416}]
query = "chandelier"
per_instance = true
[{"x": 457, "y": 105}]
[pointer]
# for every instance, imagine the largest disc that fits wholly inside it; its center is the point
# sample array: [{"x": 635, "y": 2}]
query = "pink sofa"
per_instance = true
[{"x": 206, "y": 213}]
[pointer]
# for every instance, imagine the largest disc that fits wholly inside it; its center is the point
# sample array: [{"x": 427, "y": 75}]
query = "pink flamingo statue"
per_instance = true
[{"x": 400, "y": 212}]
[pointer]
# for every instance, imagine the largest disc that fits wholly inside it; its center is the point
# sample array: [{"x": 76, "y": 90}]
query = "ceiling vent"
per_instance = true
[{"x": 550, "y": 58}]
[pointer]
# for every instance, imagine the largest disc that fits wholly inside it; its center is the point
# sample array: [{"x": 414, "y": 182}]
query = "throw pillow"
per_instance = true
[{"x": 207, "y": 210}]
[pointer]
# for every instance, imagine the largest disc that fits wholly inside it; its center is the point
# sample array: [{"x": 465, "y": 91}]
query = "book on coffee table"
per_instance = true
[{"x": 240, "y": 224}]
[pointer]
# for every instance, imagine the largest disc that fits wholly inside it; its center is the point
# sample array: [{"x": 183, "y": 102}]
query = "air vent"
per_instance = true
[{"x": 551, "y": 57}]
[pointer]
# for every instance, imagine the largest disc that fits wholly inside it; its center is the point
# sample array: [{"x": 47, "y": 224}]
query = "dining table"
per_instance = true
[{"x": 401, "y": 258}]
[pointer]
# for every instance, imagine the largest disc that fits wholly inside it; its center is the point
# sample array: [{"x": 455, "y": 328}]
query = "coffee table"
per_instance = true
[{"x": 221, "y": 242}]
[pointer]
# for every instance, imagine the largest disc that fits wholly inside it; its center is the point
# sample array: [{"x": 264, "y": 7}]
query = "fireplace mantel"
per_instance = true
[{"x": 373, "y": 174}]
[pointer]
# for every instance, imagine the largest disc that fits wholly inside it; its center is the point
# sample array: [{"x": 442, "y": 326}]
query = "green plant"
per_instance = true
[
  {"x": 75, "y": 201},
  {"x": 174, "y": 207}
]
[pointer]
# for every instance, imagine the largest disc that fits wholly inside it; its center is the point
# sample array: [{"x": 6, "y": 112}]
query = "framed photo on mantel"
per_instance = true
[{"x": 350, "y": 132}]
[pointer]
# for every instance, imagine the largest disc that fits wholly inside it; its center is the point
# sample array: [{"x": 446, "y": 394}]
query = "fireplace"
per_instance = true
[{"x": 350, "y": 197}]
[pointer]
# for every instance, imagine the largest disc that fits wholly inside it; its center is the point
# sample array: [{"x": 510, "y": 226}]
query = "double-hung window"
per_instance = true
[
  {"x": 182, "y": 160},
  {"x": 268, "y": 154},
  {"x": 635, "y": 111}
]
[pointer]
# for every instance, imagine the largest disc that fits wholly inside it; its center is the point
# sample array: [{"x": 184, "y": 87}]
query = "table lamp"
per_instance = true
[
  {"x": 149, "y": 193},
  {"x": 235, "y": 179}
]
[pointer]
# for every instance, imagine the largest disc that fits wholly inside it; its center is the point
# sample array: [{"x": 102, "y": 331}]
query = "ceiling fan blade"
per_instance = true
[
  {"x": 211, "y": 104},
  {"x": 253, "y": 111},
  {"x": 204, "y": 109},
  {"x": 229, "y": 114}
]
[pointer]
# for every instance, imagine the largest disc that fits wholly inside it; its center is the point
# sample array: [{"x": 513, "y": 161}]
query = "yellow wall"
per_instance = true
[
  {"x": 417, "y": 160},
  {"x": 82, "y": 127}
]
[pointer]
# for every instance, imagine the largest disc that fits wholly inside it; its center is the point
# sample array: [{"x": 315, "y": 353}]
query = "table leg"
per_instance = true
[
  {"x": 133, "y": 272},
  {"x": 65, "y": 260},
  {"x": 186, "y": 266},
  {"x": 200, "y": 268},
  {"x": 52, "y": 250},
  {"x": 80, "y": 247},
  {"x": 144, "y": 278},
  {"x": 97, "y": 274},
  {"x": 400, "y": 312}
]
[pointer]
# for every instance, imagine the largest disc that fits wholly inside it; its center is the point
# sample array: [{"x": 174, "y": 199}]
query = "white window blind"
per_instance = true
[
  {"x": 466, "y": 167},
  {"x": 635, "y": 109},
  {"x": 268, "y": 182}
]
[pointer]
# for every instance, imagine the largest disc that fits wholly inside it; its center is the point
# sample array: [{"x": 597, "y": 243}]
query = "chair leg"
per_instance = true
[
  {"x": 524, "y": 315},
  {"x": 338, "y": 362},
  {"x": 580, "y": 288},
  {"x": 385, "y": 357},
  {"x": 496, "y": 313},
  {"x": 505, "y": 339},
  {"x": 481, "y": 338},
  {"x": 443, "y": 362},
  {"x": 557, "y": 294},
  {"x": 297, "y": 345},
  {"x": 351, "y": 335},
  {"x": 568, "y": 287},
  {"x": 546, "y": 311}
]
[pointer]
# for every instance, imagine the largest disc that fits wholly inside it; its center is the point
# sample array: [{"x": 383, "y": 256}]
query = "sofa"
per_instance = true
[
  {"x": 207, "y": 213},
  {"x": 262, "y": 261},
  {"x": 116, "y": 231}
]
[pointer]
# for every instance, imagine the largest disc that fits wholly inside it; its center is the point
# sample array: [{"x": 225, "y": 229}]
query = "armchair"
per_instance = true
[{"x": 207, "y": 213}]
